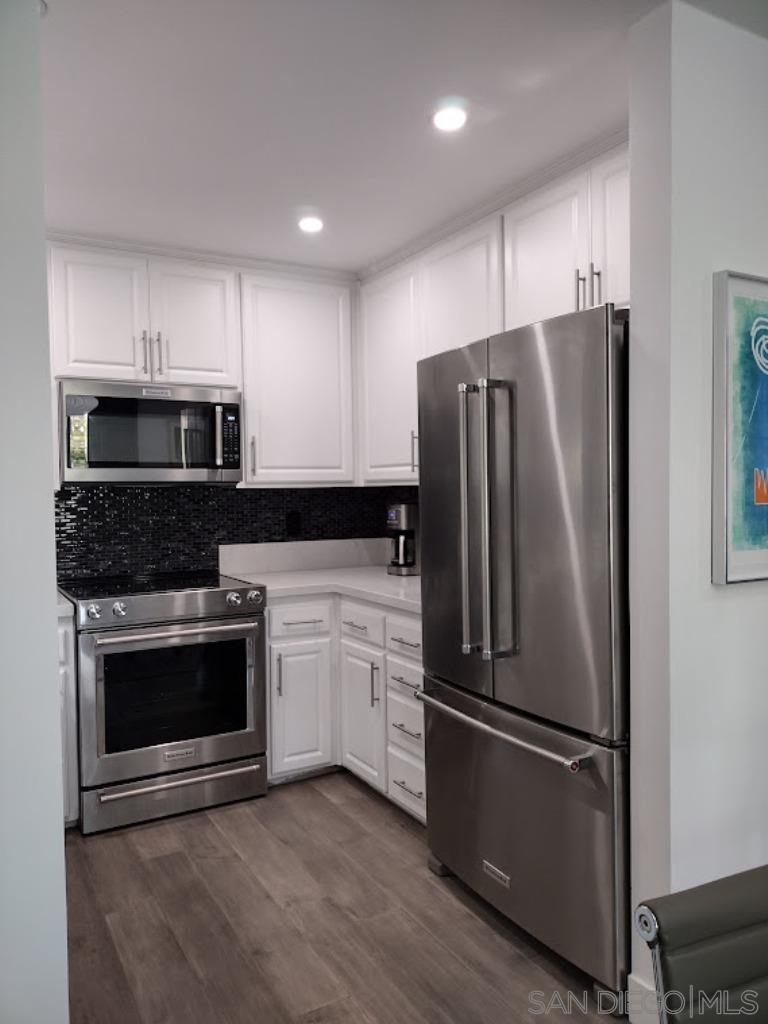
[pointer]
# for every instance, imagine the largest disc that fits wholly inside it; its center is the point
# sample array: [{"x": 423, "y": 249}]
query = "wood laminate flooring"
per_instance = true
[{"x": 313, "y": 905}]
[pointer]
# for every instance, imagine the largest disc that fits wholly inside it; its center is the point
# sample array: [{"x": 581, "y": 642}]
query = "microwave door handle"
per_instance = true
[{"x": 219, "y": 435}]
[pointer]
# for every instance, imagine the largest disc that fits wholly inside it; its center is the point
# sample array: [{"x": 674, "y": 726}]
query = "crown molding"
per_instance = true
[
  {"x": 242, "y": 263},
  {"x": 497, "y": 202}
]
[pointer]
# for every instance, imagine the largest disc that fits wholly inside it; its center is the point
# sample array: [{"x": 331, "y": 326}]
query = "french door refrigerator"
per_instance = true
[{"x": 523, "y": 546}]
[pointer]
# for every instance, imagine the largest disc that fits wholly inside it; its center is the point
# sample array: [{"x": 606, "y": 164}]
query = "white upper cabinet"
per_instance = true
[
  {"x": 389, "y": 352},
  {"x": 124, "y": 317},
  {"x": 546, "y": 247},
  {"x": 99, "y": 314},
  {"x": 195, "y": 323},
  {"x": 461, "y": 288},
  {"x": 610, "y": 229},
  {"x": 297, "y": 381}
]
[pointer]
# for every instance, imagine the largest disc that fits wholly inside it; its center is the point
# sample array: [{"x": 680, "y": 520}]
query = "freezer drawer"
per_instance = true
[{"x": 538, "y": 830}]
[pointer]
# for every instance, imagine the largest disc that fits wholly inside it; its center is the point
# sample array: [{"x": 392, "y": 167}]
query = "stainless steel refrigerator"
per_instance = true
[{"x": 523, "y": 547}]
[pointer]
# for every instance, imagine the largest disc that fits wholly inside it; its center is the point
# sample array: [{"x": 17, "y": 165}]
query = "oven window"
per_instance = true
[
  {"x": 143, "y": 433},
  {"x": 168, "y": 694}
]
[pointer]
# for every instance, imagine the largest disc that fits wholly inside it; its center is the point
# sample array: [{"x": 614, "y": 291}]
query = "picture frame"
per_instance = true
[{"x": 740, "y": 428}]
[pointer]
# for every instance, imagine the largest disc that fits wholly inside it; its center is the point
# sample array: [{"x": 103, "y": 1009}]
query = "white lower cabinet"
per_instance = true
[
  {"x": 301, "y": 705},
  {"x": 68, "y": 705},
  {"x": 407, "y": 785},
  {"x": 363, "y": 723}
]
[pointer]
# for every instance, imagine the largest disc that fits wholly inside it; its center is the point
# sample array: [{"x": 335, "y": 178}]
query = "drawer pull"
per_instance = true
[
  {"x": 402, "y": 784},
  {"x": 302, "y": 622},
  {"x": 403, "y": 728},
  {"x": 354, "y": 625},
  {"x": 408, "y": 643},
  {"x": 405, "y": 682}
]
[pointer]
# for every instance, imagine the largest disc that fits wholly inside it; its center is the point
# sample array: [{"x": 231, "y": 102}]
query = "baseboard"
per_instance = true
[{"x": 642, "y": 1001}]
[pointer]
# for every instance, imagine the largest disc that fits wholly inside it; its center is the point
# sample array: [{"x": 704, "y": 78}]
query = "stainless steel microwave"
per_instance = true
[{"x": 136, "y": 433}]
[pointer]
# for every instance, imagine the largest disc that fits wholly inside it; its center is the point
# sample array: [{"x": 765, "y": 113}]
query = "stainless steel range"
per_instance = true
[{"x": 172, "y": 695}]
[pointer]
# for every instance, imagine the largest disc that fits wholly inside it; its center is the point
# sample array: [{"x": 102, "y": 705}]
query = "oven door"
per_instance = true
[
  {"x": 170, "y": 697},
  {"x": 135, "y": 433}
]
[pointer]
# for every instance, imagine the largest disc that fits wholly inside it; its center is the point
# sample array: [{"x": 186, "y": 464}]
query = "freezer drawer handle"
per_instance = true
[
  {"x": 401, "y": 783},
  {"x": 106, "y": 798},
  {"x": 571, "y": 764},
  {"x": 467, "y": 646}
]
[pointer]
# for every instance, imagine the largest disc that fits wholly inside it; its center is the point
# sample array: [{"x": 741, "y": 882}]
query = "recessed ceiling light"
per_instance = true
[
  {"x": 311, "y": 225},
  {"x": 450, "y": 118}
]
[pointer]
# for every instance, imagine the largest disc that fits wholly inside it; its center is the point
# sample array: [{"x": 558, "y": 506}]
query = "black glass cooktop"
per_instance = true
[{"x": 94, "y": 588}]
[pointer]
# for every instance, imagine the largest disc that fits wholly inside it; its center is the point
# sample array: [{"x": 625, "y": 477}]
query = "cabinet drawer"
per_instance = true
[
  {"x": 300, "y": 619},
  {"x": 407, "y": 785},
  {"x": 361, "y": 623},
  {"x": 404, "y": 677},
  {"x": 404, "y": 636},
  {"x": 405, "y": 723}
]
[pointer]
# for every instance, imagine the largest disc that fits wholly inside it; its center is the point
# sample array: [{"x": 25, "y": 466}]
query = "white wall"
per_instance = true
[
  {"x": 33, "y": 966},
  {"x": 699, "y": 204}
]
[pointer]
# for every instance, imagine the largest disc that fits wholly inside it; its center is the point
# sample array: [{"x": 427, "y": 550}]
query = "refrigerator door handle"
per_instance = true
[
  {"x": 467, "y": 646},
  {"x": 489, "y": 653},
  {"x": 572, "y": 765}
]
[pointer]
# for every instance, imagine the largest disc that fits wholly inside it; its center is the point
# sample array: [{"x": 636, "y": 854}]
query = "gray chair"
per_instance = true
[{"x": 710, "y": 948}]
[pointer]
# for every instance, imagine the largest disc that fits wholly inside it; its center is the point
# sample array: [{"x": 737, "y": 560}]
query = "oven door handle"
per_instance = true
[{"x": 139, "y": 638}]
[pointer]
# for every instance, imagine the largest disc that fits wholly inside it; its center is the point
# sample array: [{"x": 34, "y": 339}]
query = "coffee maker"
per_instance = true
[{"x": 403, "y": 527}]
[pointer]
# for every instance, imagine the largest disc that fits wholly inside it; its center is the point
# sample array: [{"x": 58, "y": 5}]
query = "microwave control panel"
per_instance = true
[{"x": 231, "y": 436}]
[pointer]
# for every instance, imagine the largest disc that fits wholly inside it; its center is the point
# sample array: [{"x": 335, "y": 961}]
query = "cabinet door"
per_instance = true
[
  {"x": 461, "y": 288},
  {"x": 610, "y": 228},
  {"x": 301, "y": 705},
  {"x": 363, "y": 719},
  {"x": 99, "y": 312},
  {"x": 390, "y": 350},
  {"x": 195, "y": 324},
  {"x": 297, "y": 381},
  {"x": 546, "y": 244}
]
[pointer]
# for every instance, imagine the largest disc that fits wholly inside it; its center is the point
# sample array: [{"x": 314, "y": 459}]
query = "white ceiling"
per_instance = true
[{"x": 210, "y": 124}]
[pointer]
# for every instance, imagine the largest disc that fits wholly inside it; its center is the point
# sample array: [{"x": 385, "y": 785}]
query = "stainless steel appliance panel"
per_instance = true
[
  {"x": 97, "y": 766},
  {"x": 541, "y": 841},
  {"x": 557, "y": 414},
  {"x": 172, "y": 794},
  {"x": 450, "y": 512}
]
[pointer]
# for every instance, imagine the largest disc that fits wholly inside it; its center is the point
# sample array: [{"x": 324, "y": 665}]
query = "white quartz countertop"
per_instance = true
[{"x": 367, "y": 583}]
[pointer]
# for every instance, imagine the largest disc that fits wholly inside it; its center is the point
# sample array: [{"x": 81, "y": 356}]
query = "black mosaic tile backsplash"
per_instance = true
[{"x": 109, "y": 530}]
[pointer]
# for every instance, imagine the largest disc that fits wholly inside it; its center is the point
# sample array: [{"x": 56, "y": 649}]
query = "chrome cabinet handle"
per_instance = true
[
  {"x": 485, "y": 385},
  {"x": 302, "y": 622},
  {"x": 159, "y": 340},
  {"x": 279, "y": 675},
  {"x": 105, "y": 798},
  {"x": 402, "y": 784},
  {"x": 465, "y": 390},
  {"x": 571, "y": 764},
  {"x": 219, "y": 441},
  {"x": 595, "y": 275},
  {"x": 139, "y": 638},
  {"x": 581, "y": 281},
  {"x": 414, "y": 439},
  {"x": 408, "y": 643},
  {"x": 145, "y": 343},
  {"x": 374, "y": 670},
  {"x": 403, "y": 728},
  {"x": 354, "y": 625},
  {"x": 253, "y": 455},
  {"x": 401, "y": 679}
]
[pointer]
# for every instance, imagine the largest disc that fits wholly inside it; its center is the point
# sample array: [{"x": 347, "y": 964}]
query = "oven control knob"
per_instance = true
[
  {"x": 120, "y": 609},
  {"x": 255, "y": 596},
  {"x": 93, "y": 611},
  {"x": 234, "y": 600}
]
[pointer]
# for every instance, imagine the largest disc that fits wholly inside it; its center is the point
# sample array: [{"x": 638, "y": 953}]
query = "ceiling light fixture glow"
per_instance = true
[
  {"x": 450, "y": 118},
  {"x": 311, "y": 225}
]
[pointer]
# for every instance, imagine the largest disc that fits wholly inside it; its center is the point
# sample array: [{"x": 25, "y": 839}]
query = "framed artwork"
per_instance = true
[{"x": 740, "y": 429}]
